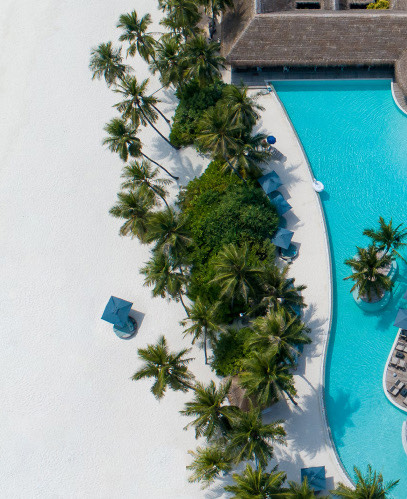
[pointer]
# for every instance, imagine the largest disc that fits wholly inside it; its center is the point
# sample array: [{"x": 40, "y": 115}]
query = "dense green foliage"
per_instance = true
[
  {"x": 229, "y": 351},
  {"x": 193, "y": 102},
  {"x": 221, "y": 210}
]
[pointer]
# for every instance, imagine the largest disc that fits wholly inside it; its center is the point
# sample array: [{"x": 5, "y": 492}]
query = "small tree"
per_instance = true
[
  {"x": 209, "y": 462},
  {"x": 213, "y": 416},
  {"x": 169, "y": 369},
  {"x": 203, "y": 323},
  {"x": 251, "y": 439},
  {"x": 256, "y": 484},
  {"x": 369, "y": 486},
  {"x": 107, "y": 62},
  {"x": 136, "y": 34},
  {"x": 369, "y": 272}
]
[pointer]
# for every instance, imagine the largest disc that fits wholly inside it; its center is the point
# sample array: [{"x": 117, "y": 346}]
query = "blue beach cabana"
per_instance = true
[
  {"x": 315, "y": 476},
  {"x": 279, "y": 202},
  {"x": 282, "y": 238},
  {"x": 270, "y": 182},
  {"x": 117, "y": 313},
  {"x": 401, "y": 319}
]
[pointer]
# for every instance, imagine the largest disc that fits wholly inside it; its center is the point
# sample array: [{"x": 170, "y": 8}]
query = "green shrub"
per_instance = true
[
  {"x": 379, "y": 4},
  {"x": 193, "y": 102},
  {"x": 229, "y": 351},
  {"x": 221, "y": 209}
]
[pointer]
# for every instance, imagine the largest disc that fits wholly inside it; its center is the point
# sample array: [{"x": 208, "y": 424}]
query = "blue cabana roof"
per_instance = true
[
  {"x": 270, "y": 182},
  {"x": 282, "y": 238},
  {"x": 315, "y": 476},
  {"x": 117, "y": 311},
  {"x": 401, "y": 319},
  {"x": 279, "y": 202}
]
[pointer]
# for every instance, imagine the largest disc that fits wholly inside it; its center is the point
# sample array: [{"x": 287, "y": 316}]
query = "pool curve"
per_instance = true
[{"x": 354, "y": 136}]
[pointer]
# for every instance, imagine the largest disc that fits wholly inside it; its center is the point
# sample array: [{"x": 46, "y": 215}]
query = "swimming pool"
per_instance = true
[{"x": 356, "y": 141}]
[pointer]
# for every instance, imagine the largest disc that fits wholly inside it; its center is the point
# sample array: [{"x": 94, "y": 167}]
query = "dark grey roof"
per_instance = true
[{"x": 334, "y": 38}]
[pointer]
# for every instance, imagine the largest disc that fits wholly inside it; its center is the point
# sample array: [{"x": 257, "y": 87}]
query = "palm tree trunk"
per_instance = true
[
  {"x": 234, "y": 169},
  {"x": 160, "y": 166},
  {"x": 158, "y": 194},
  {"x": 156, "y": 129},
  {"x": 206, "y": 354},
  {"x": 183, "y": 304},
  {"x": 290, "y": 397},
  {"x": 162, "y": 115}
]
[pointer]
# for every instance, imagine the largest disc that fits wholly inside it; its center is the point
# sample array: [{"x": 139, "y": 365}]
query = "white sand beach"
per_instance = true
[{"x": 72, "y": 423}]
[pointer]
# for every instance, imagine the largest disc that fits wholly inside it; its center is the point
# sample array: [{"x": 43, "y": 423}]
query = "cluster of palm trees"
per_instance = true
[
  {"x": 370, "y": 265},
  {"x": 234, "y": 436}
]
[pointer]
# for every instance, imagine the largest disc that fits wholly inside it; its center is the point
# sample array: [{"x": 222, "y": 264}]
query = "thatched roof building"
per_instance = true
[{"x": 298, "y": 38}]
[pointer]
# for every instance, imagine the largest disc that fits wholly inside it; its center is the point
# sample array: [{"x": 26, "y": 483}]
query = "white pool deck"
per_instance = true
[{"x": 72, "y": 423}]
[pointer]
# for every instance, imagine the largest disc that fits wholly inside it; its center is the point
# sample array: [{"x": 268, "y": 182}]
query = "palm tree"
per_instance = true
[
  {"x": 209, "y": 462},
  {"x": 370, "y": 486},
  {"x": 137, "y": 106},
  {"x": 214, "y": 8},
  {"x": 278, "y": 290},
  {"x": 202, "y": 60},
  {"x": 217, "y": 135},
  {"x": 135, "y": 33},
  {"x": 250, "y": 438},
  {"x": 140, "y": 175},
  {"x": 369, "y": 269},
  {"x": 182, "y": 17},
  {"x": 255, "y": 484},
  {"x": 298, "y": 491},
  {"x": 213, "y": 416},
  {"x": 107, "y": 62},
  {"x": 281, "y": 329},
  {"x": 123, "y": 140},
  {"x": 167, "y": 368},
  {"x": 388, "y": 238},
  {"x": 168, "y": 63},
  {"x": 235, "y": 274},
  {"x": 135, "y": 208},
  {"x": 169, "y": 231},
  {"x": 265, "y": 378},
  {"x": 242, "y": 108},
  {"x": 202, "y": 317},
  {"x": 165, "y": 279},
  {"x": 247, "y": 156}
]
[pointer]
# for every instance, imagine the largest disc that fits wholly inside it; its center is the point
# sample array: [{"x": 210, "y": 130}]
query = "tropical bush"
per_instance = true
[
  {"x": 229, "y": 351},
  {"x": 193, "y": 102},
  {"x": 379, "y": 4}
]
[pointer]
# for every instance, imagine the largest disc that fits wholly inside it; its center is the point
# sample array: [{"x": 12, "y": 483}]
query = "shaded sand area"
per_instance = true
[{"x": 72, "y": 423}]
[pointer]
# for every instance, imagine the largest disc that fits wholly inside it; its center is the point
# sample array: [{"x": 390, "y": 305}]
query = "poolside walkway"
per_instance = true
[{"x": 309, "y": 443}]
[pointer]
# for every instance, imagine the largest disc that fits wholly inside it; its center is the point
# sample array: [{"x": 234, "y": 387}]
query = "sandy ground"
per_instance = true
[{"x": 72, "y": 422}]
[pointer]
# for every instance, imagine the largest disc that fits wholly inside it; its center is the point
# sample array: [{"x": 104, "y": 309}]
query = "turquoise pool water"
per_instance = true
[{"x": 356, "y": 140}]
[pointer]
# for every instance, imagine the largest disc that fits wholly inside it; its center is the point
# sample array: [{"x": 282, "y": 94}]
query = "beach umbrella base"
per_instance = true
[{"x": 127, "y": 331}]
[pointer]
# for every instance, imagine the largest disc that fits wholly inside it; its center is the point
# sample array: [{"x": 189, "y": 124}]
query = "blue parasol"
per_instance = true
[
  {"x": 315, "y": 476},
  {"x": 401, "y": 318},
  {"x": 282, "y": 238},
  {"x": 270, "y": 182},
  {"x": 117, "y": 311},
  {"x": 271, "y": 139},
  {"x": 279, "y": 202}
]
